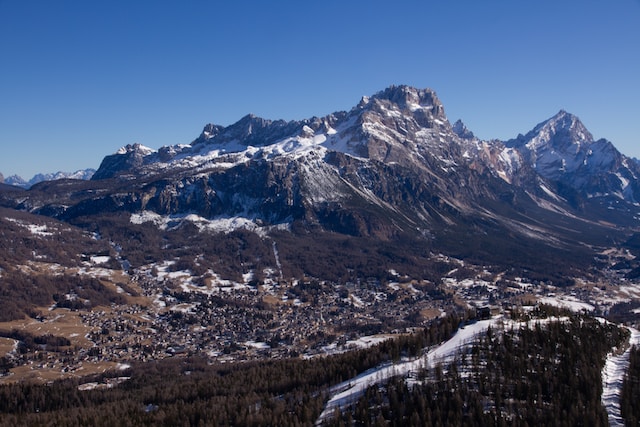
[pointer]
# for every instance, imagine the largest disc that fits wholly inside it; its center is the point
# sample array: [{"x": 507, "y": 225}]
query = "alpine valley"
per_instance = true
[{"x": 295, "y": 240}]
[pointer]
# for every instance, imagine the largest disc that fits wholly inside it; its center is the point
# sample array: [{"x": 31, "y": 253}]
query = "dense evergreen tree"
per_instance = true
[{"x": 631, "y": 390}]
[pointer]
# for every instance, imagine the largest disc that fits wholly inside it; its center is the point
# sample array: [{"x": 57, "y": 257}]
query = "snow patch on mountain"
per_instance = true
[
  {"x": 549, "y": 193},
  {"x": 623, "y": 181},
  {"x": 144, "y": 150},
  {"x": 510, "y": 161},
  {"x": 41, "y": 230},
  {"x": 216, "y": 225},
  {"x": 567, "y": 301},
  {"x": 344, "y": 140}
]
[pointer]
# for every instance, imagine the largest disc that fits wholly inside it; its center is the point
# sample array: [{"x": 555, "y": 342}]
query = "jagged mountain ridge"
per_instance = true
[
  {"x": 401, "y": 125},
  {"x": 366, "y": 131},
  {"x": 396, "y": 151}
]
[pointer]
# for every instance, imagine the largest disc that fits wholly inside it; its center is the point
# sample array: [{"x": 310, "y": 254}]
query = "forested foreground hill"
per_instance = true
[
  {"x": 546, "y": 372},
  {"x": 542, "y": 367}
]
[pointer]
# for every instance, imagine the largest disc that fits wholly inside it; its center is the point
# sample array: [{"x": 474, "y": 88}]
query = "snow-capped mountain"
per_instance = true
[
  {"x": 380, "y": 128},
  {"x": 395, "y": 151},
  {"x": 403, "y": 126},
  {"x": 562, "y": 149},
  {"x": 392, "y": 168},
  {"x": 83, "y": 174}
]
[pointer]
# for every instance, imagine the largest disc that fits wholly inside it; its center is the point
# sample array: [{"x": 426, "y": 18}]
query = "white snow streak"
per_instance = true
[
  {"x": 221, "y": 224},
  {"x": 612, "y": 378},
  {"x": 276, "y": 255}
]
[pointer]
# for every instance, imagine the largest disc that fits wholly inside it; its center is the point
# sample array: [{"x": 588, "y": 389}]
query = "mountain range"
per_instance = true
[
  {"x": 402, "y": 130},
  {"x": 18, "y": 181},
  {"x": 401, "y": 125},
  {"x": 392, "y": 169}
]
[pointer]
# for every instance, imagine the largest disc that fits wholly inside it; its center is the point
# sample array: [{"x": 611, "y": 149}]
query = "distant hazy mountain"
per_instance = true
[{"x": 18, "y": 181}]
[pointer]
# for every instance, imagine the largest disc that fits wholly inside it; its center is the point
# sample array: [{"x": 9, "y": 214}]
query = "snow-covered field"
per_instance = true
[{"x": 567, "y": 301}]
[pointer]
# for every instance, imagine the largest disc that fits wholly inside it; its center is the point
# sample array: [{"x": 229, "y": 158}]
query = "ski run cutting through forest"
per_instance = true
[
  {"x": 348, "y": 392},
  {"x": 612, "y": 378}
]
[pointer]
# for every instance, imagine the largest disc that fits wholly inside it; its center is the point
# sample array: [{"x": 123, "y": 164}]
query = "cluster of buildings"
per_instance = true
[{"x": 281, "y": 318}]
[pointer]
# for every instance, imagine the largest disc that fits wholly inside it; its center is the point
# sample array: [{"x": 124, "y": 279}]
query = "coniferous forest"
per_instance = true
[{"x": 631, "y": 390}]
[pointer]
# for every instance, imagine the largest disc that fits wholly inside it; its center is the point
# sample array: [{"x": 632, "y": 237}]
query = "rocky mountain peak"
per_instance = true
[
  {"x": 400, "y": 124},
  {"x": 460, "y": 129},
  {"x": 407, "y": 100},
  {"x": 409, "y": 97},
  {"x": 209, "y": 131},
  {"x": 563, "y": 132},
  {"x": 567, "y": 122},
  {"x": 562, "y": 149},
  {"x": 251, "y": 130},
  {"x": 135, "y": 149},
  {"x": 126, "y": 159},
  {"x": 248, "y": 125}
]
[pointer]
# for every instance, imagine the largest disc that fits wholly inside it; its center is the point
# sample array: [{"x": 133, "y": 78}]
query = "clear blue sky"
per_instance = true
[{"x": 79, "y": 79}]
